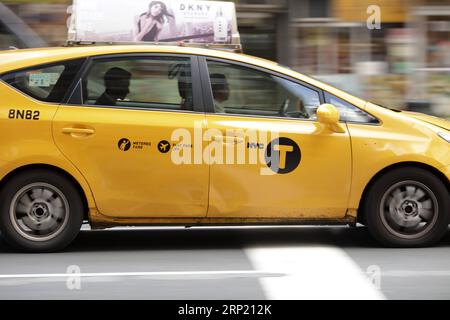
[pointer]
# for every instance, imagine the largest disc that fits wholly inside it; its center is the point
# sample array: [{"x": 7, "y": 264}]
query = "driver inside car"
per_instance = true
[{"x": 220, "y": 90}]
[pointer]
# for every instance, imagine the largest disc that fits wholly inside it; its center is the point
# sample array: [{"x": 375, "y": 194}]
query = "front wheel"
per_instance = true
[
  {"x": 407, "y": 207},
  {"x": 40, "y": 211}
]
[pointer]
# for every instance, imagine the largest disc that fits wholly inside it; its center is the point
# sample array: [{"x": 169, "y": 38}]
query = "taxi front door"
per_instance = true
[{"x": 303, "y": 170}]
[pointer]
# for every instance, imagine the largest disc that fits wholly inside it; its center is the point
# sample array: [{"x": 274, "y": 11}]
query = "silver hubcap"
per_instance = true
[
  {"x": 409, "y": 209},
  {"x": 39, "y": 211}
]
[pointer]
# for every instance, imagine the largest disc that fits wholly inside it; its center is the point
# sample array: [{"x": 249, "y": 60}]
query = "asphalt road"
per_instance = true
[{"x": 227, "y": 263}]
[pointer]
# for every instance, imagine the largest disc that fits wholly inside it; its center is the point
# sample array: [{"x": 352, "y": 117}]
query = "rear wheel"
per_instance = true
[
  {"x": 407, "y": 207},
  {"x": 40, "y": 211}
]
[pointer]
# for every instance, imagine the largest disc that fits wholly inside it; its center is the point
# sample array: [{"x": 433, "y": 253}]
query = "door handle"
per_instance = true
[
  {"x": 228, "y": 139},
  {"x": 79, "y": 131}
]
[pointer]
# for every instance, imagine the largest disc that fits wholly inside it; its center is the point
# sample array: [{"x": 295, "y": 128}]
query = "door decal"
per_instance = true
[{"x": 283, "y": 155}]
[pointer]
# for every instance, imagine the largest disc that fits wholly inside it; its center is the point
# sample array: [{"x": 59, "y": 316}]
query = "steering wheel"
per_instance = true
[
  {"x": 284, "y": 108},
  {"x": 300, "y": 111}
]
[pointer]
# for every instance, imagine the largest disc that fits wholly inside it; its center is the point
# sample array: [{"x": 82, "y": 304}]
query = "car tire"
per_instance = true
[
  {"x": 40, "y": 211},
  {"x": 407, "y": 207}
]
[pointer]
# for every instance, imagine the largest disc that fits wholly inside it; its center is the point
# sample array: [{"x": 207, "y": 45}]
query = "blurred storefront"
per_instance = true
[
  {"x": 430, "y": 80},
  {"x": 264, "y": 27},
  {"x": 405, "y": 63},
  {"x": 15, "y": 32}
]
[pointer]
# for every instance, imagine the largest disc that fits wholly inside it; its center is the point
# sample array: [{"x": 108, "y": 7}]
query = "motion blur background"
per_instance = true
[{"x": 404, "y": 64}]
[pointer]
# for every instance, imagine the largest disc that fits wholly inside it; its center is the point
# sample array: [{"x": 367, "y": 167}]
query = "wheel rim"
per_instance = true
[
  {"x": 39, "y": 211},
  {"x": 409, "y": 209}
]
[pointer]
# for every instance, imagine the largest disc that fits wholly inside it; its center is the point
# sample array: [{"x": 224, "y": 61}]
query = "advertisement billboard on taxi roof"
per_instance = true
[{"x": 153, "y": 21}]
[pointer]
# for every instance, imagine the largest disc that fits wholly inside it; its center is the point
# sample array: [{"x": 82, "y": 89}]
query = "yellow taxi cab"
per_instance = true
[{"x": 173, "y": 135}]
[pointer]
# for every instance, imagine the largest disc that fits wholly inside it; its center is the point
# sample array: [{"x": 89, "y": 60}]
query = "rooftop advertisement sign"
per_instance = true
[{"x": 153, "y": 21}]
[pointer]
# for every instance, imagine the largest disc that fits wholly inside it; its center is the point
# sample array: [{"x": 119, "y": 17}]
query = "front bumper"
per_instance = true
[
  {"x": 446, "y": 171},
  {"x": 4, "y": 169}
]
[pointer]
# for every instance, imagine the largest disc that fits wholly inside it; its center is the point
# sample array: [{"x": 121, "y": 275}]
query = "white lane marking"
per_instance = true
[
  {"x": 311, "y": 273},
  {"x": 143, "y": 274}
]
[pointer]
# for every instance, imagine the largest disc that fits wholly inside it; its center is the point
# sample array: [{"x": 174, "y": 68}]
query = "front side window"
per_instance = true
[
  {"x": 141, "y": 82},
  {"x": 242, "y": 90},
  {"x": 46, "y": 83},
  {"x": 349, "y": 112}
]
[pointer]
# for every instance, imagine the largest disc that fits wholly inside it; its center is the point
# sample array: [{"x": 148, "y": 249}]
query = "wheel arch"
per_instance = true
[
  {"x": 69, "y": 176},
  {"x": 408, "y": 164}
]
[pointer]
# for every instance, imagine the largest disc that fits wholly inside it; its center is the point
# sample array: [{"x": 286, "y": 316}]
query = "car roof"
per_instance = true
[
  {"x": 22, "y": 58},
  {"x": 14, "y": 59}
]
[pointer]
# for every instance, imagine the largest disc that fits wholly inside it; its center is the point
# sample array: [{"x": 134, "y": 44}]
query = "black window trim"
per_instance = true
[
  {"x": 42, "y": 66},
  {"x": 74, "y": 99},
  {"x": 77, "y": 78}
]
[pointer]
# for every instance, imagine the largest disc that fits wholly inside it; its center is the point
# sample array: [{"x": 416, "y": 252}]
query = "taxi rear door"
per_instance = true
[{"x": 117, "y": 129}]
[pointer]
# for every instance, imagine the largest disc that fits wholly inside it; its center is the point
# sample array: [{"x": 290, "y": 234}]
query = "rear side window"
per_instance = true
[
  {"x": 47, "y": 83},
  {"x": 140, "y": 82}
]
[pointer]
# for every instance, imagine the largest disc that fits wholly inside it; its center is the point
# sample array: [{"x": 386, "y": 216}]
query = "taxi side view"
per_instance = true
[{"x": 166, "y": 135}]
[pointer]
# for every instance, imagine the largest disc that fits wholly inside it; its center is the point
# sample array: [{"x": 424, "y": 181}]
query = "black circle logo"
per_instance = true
[
  {"x": 283, "y": 155},
  {"x": 124, "y": 144},
  {"x": 164, "y": 146}
]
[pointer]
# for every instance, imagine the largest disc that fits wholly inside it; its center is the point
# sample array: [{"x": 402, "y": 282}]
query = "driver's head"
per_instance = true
[
  {"x": 219, "y": 86},
  {"x": 117, "y": 82}
]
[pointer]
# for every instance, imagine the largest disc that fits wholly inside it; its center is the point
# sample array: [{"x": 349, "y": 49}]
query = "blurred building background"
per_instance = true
[{"x": 404, "y": 64}]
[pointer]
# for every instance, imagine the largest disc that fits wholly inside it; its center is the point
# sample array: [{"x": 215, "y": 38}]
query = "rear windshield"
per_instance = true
[{"x": 48, "y": 82}]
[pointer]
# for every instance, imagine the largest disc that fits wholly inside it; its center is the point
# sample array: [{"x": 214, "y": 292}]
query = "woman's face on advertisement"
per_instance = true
[{"x": 156, "y": 10}]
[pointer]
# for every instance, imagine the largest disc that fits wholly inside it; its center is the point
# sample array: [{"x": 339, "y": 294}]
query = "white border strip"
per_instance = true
[{"x": 140, "y": 274}]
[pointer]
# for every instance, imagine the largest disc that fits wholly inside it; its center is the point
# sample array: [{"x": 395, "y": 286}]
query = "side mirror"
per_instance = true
[{"x": 328, "y": 115}]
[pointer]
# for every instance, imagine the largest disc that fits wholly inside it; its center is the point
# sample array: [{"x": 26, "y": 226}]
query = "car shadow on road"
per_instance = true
[{"x": 199, "y": 238}]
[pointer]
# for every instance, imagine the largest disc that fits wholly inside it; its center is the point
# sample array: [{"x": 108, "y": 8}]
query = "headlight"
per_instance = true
[{"x": 445, "y": 136}]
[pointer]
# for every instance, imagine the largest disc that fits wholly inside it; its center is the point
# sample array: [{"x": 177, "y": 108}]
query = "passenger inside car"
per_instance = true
[
  {"x": 220, "y": 90},
  {"x": 181, "y": 72},
  {"x": 117, "y": 86}
]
